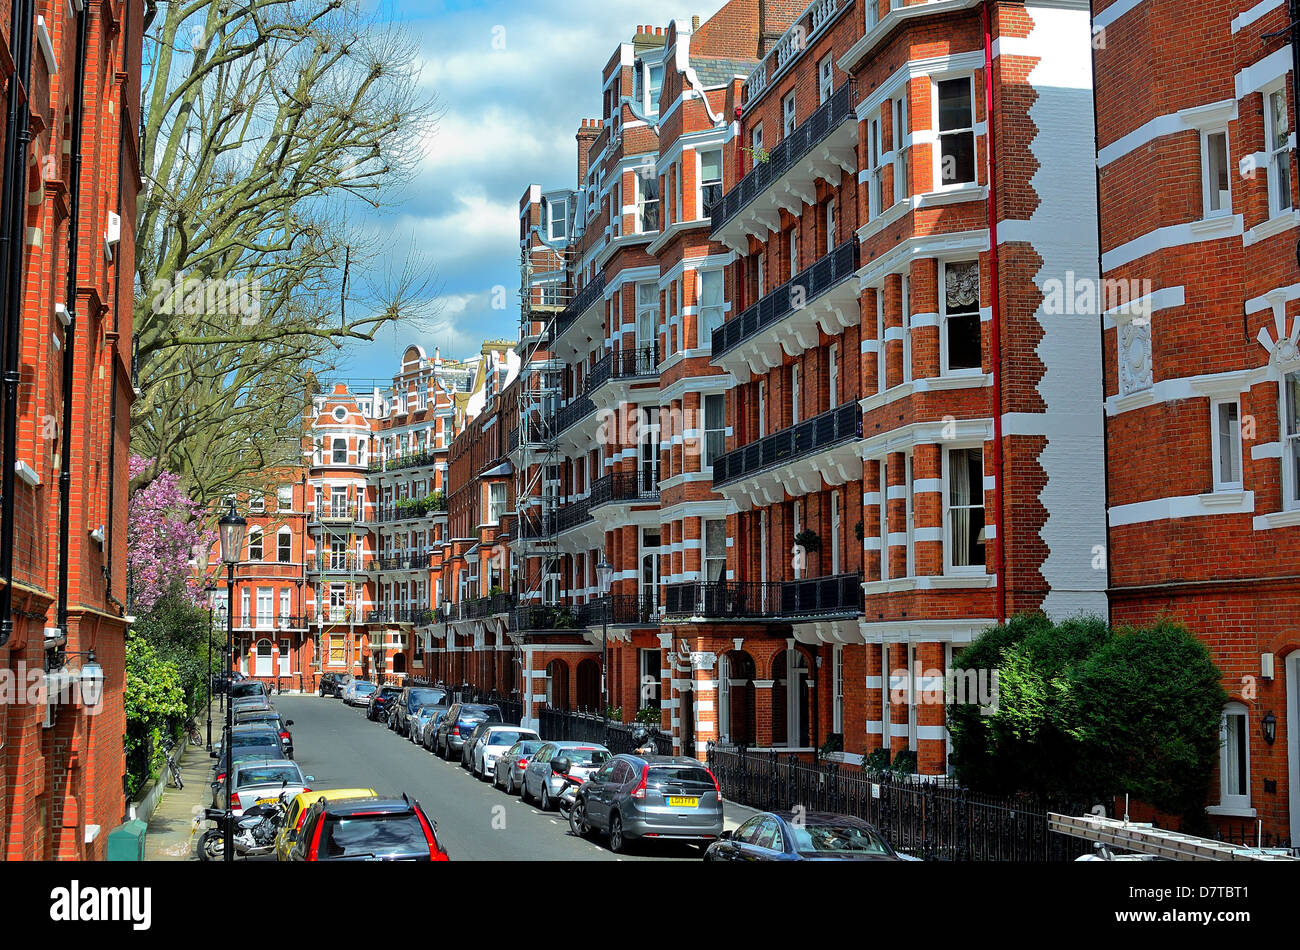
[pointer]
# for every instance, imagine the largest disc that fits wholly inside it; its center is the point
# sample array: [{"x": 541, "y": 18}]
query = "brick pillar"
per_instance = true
[
  {"x": 928, "y": 507},
  {"x": 763, "y": 713},
  {"x": 874, "y": 684},
  {"x": 896, "y": 472},
  {"x": 871, "y": 488},
  {"x": 893, "y": 330},
  {"x": 931, "y": 740},
  {"x": 869, "y": 363},
  {"x": 925, "y": 311},
  {"x": 704, "y": 671},
  {"x": 897, "y": 681}
]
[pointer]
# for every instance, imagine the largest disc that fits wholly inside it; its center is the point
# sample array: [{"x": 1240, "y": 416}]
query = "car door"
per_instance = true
[
  {"x": 730, "y": 849},
  {"x": 596, "y": 792},
  {"x": 767, "y": 845},
  {"x": 538, "y": 769}
]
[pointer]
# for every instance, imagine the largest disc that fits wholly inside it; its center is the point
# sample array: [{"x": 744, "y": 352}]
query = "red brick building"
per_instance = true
[
  {"x": 62, "y": 766},
  {"x": 1197, "y": 185}
]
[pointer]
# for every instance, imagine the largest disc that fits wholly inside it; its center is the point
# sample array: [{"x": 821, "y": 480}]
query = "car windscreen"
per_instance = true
[
  {"x": 819, "y": 838},
  {"x": 260, "y": 737},
  {"x": 425, "y": 697},
  {"x": 254, "y": 688},
  {"x": 583, "y": 756},
  {"x": 387, "y": 691},
  {"x": 503, "y": 737},
  {"x": 364, "y": 688},
  {"x": 268, "y": 774},
  {"x": 373, "y": 835},
  {"x": 686, "y": 775}
]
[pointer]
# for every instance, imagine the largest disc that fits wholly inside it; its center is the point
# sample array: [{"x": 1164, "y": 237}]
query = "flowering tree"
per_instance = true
[{"x": 164, "y": 529}]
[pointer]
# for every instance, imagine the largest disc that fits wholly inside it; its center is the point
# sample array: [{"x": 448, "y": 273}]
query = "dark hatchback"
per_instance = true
[
  {"x": 331, "y": 684},
  {"x": 811, "y": 836},
  {"x": 376, "y": 829},
  {"x": 454, "y": 728},
  {"x": 272, "y": 719},
  {"x": 412, "y": 698},
  {"x": 381, "y": 703}
]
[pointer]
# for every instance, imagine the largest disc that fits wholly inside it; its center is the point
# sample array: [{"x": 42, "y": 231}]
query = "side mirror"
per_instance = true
[
  {"x": 288, "y": 722},
  {"x": 212, "y": 755},
  {"x": 725, "y": 836},
  {"x": 560, "y": 766},
  {"x": 310, "y": 778}
]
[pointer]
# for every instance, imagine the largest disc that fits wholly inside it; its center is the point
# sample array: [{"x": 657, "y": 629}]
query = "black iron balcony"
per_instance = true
[
  {"x": 589, "y": 294},
  {"x": 834, "y": 595},
  {"x": 481, "y": 607},
  {"x": 572, "y": 514},
  {"x": 640, "y": 362},
  {"x": 631, "y": 609},
  {"x": 796, "y": 441},
  {"x": 512, "y": 439},
  {"x": 638, "y": 485},
  {"x": 415, "y": 561},
  {"x": 407, "y": 508},
  {"x": 417, "y": 616},
  {"x": 330, "y": 512},
  {"x": 535, "y": 525},
  {"x": 340, "y": 564},
  {"x": 545, "y": 617},
  {"x": 795, "y": 294},
  {"x": 571, "y": 414},
  {"x": 784, "y": 155},
  {"x": 270, "y": 621},
  {"x": 403, "y": 461}
]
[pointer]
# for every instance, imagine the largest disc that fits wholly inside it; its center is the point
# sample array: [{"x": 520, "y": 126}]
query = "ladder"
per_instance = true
[{"x": 1145, "y": 838}]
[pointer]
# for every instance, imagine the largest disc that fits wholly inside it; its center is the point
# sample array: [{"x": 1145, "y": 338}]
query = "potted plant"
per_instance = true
[
  {"x": 807, "y": 539},
  {"x": 857, "y": 530},
  {"x": 877, "y": 760}
]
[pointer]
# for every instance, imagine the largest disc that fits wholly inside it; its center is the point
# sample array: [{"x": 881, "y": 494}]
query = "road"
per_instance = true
[{"x": 339, "y": 747}]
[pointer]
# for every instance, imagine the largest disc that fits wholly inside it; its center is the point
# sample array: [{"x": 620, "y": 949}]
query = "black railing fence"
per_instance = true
[
  {"x": 921, "y": 818},
  {"x": 564, "y": 725}
]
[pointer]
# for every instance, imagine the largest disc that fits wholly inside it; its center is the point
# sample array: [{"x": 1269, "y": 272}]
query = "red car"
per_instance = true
[{"x": 374, "y": 829}]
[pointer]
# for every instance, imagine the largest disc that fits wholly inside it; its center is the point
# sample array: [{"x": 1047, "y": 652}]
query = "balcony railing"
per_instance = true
[
  {"x": 635, "y": 363},
  {"x": 795, "y": 294},
  {"x": 333, "y": 512},
  {"x": 418, "y": 616},
  {"x": 796, "y": 441},
  {"x": 811, "y": 597},
  {"x": 403, "y": 461},
  {"x": 408, "y": 508},
  {"x": 481, "y": 607},
  {"x": 571, "y": 414},
  {"x": 512, "y": 439},
  {"x": 572, "y": 514},
  {"x": 589, "y": 294},
  {"x": 266, "y": 621},
  {"x": 415, "y": 561},
  {"x": 340, "y": 564},
  {"x": 639, "y": 485},
  {"x": 784, "y": 155}
]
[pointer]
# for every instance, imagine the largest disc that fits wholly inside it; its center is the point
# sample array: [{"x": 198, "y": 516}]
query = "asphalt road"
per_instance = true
[{"x": 339, "y": 747}]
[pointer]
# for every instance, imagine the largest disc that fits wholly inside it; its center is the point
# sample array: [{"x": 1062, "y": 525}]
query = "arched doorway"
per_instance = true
[
  {"x": 736, "y": 698},
  {"x": 263, "y": 665},
  {"x": 399, "y": 663},
  {"x": 790, "y": 725},
  {"x": 589, "y": 685},
  {"x": 557, "y": 684}
]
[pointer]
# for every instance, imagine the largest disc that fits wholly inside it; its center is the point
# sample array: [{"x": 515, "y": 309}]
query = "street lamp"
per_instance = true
[
  {"x": 201, "y": 557},
  {"x": 604, "y": 573},
  {"x": 231, "y": 530}
]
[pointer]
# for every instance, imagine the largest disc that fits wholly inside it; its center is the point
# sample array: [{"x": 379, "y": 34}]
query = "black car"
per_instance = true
[
  {"x": 250, "y": 740},
  {"x": 372, "y": 829},
  {"x": 331, "y": 684},
  {"x": 412, "y": 698},
  {"x": 455, "y": 727},
  {"x": 810, "y": 836},
  {"x": 221, "y": 682},
  {"x": 269, "y": 717},
  {"x": 381, "y": 703},
  {"x": 246, "y": 688}
]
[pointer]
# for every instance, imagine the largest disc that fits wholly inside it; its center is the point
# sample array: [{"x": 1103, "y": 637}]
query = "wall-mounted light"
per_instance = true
[{"x": 1268, "y": 727}]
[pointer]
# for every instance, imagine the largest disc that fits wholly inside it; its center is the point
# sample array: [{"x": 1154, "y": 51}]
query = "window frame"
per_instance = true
[
  {"x": 1208, "y": 191},
  {"x": 789, "y": 113},
  {"x": 1275, "y": 207},
  {"x": 1289, "y": 433},
  {"x": 1216, "y": 445},
  {"x": 825, "y": 78},
  {"x": 1234, "y": 800},
  {"x": 977, "y": 491},
  {"x": 701, "y": 184},
  {"x": 716, "y": 433},
  {"x": 936, "y": 83},
  {"x": 945, "y": 368}
]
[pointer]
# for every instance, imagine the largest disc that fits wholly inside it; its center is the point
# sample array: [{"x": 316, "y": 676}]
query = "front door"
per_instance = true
[{"x": 263, "y": 665}]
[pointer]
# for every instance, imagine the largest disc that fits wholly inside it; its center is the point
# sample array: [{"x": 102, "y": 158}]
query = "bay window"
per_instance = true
[
  {"x": 956, "y": 125},
  {"x": 960, "y": 341},
  {"x": 964, "y": 510}
]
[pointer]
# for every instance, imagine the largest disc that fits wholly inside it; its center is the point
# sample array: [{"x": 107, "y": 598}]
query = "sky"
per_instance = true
[{"x": 513, "y": 80}]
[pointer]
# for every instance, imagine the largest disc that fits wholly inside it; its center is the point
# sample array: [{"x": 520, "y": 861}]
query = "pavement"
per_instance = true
[{"x": 176, "y": 824}]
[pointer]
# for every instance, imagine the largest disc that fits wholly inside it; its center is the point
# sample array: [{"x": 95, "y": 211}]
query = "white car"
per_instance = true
[
  {"x": 493, "y": 743},
  {"x": 263, "y": 780}
]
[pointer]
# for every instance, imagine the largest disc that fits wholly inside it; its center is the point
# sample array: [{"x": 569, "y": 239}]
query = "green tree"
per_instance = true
[
  {"x": 179, "y": 631},
  {"x": 154, "y": 703}
]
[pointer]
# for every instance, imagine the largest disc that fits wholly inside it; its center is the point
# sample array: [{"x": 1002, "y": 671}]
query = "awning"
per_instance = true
[{"x": 505, "y": 468}]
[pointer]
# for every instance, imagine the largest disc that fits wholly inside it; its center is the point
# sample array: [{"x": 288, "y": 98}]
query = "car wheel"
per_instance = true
[
  {"x": 524, "y": 794},
  {"x": 617, "y": 843},
  {"x": 546, "y": 797},
  {"x": 510, "y": 784},
  {"x": 578, "y": 822}
]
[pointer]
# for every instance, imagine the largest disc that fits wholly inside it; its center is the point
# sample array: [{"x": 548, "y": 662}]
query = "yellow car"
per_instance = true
[{"x": 298, "y": 810}]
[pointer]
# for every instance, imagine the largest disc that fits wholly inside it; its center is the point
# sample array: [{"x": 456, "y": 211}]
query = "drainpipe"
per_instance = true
[
  {"x": 70, "y": 302},
  {"x": 13, "y": 208},
  {"x": 995, "y": 328}
]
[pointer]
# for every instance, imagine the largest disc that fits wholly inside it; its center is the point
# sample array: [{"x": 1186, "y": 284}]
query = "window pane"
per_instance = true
[
  {"x": 957, "y": 160},
  {"x": 954, "y": 104},
  {"x": 1229, "y": 467},
  {"x": 1216, "y": 147}
]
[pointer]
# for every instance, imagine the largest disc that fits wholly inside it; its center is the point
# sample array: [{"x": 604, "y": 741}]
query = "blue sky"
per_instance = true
[{"x": 509, "y": 118}]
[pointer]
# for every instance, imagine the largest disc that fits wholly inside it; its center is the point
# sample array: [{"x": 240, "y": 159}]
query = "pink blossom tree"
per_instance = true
[{"x": 164, "y": 531}]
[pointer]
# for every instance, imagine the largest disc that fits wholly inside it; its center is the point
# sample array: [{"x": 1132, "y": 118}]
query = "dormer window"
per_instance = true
[
  {"x": 647, "y": 80},
  {"x": 558, "y": 225}
]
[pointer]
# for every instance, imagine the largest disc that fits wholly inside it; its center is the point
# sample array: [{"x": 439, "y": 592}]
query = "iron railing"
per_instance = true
[
  {"x": 784, "y": 155},
  {"x": 796, "y": 293},
  {"x": 623, "y": 364},
  {"x": 339, "y": 563},
  {"x": 572, "y": 414},
  {"x": 572, "y": 514},
  {"x": 255, "y": 621},
  {"x": 832, "y": 595},
  {"x": 417, "y": 616},
  {"x": 415, "y": 561},
  {"x": 563, "y": 725},
  {"x": 415, "y": 460},
  {"x": 331, "y": 512},
  {"x": 481, "y": 607},
  {"x": 546, "y": 617},
  {"x": 917, "y": 816},
  {"x": 412, "y": 508},
  {"x": 801, "y": 439},
  {"x": 589, "y": 294},
  {"x": 639, "y": 485}
]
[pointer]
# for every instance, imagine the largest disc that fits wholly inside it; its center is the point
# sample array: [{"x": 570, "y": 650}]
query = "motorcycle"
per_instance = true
[
  {"x": 569, "y": 796},
  {"x": 255, "y": 830}
]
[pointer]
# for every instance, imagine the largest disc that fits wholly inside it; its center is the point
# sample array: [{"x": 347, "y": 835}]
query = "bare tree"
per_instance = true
[{"x": 270, "y": 126}]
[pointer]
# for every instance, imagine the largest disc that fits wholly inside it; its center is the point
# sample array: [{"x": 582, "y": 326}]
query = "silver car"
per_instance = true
[
  {"x": 508, "y": 774},
  {"x": 655, "y": 796},
  {"x": 543, "y": 785},
  {"x": 493, "y": 742},
  {"x": 257, "y": 782},
  {"x": 423, "y": 716}
]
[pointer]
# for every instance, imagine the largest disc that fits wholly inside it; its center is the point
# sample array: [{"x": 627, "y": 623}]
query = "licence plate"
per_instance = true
[
  {"x": 679, "y": 801},
  {"x": 265, "y": 801}
]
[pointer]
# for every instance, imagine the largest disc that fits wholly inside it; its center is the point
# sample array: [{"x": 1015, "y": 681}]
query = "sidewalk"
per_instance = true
[{"x": 177, "y": 822}]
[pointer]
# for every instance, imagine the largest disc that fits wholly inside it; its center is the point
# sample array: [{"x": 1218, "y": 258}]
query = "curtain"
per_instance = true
[{"x": 958, "y": 507}]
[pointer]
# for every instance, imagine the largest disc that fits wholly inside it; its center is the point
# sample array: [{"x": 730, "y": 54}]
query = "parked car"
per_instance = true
[
  {"x": 459, "y": 722},
  {"x": 655, "y": 796},
  {"x": 489, "y": 742},
  {"x": 247, "y": 687},
  {"x": 246, "y": 703},
  {"x": 332, "y": 684},
  {"x": 429, "y": 730},
  {"x": 249, "y": 734},
  {"x": 298, "y": 806},
  {"x": 376, "y": 829},
  {"x": 269, "y": 717},
  {"x": 262, "y": 781},
  {"x": 412, "y": 698},
  {"x": 423, "y": 716},
  {"x": 248, "y": 743},
  {"x": 508, "y": 773},
  {"x": 381, "y": 703},
  {"x": 813, "y": 836},
  {"x": 358, "y": 693},
  {"x": 221, "y": 682},
  {"x": 542, "y": 784}
]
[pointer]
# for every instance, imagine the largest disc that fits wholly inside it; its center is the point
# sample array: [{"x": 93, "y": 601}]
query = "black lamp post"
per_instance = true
[
  {"x": 604, "y": 572},
  {"x": 201, "y": 557},
  {"x": 231, "y": 528}
]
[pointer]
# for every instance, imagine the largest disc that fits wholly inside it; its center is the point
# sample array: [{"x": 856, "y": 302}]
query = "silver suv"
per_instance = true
[{"x": 654, "y": 796}]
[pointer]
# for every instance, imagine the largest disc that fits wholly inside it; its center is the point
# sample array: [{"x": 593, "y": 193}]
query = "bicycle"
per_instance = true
[
  {"x": 192, "y": 730},
  {"x": 169, "y": 748}
]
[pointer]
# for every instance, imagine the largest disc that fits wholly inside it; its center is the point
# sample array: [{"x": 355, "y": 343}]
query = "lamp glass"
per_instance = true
[
  {"x": 92, "y": 683},
  {"x": 231, "y": 529},
  {"x": 604, "y": 571}
]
